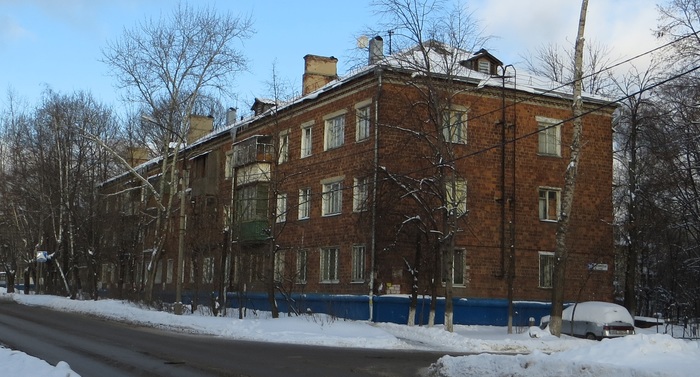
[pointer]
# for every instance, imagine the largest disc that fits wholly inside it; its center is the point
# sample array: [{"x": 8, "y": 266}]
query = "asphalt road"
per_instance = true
[{"x": 98, "y": 347}]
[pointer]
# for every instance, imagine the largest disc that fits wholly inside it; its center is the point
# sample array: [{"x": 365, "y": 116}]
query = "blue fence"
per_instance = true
[{"x": 467, "y": 311}]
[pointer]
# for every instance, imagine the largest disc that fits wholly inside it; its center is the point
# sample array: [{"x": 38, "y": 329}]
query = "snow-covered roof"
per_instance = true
[{"x": 443, "y": 60}]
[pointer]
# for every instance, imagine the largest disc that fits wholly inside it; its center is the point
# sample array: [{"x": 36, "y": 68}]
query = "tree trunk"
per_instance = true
[
  {"x": 414, "y": 283},
  {"x": 270, "y": 283},
  {"x": 631, "y": 260},
  {"x": 561, "y": 252}
]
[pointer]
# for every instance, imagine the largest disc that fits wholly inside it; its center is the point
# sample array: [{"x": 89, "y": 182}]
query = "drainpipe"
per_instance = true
[{"x": 375, "y": 178}]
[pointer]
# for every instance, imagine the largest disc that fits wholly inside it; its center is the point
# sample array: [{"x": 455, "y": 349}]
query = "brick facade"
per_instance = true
[{"x": 483, "y": 162}]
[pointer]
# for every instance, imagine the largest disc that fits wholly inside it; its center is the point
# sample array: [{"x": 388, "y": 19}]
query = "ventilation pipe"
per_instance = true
[
  {"x": 230, "y": 116},
  {"x": 376, "y": 50}
]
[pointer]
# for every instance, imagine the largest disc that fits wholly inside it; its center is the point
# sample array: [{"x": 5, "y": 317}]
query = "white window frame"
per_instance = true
[
  {"x": 363, "y": 122},
  {"x": 306, "y": 139},
  {"x": 334, "y": 130},
  {"x": 302, "y": 266},
  {"x": 208, "y": 270},
  {"x": 328, "y": 271},
  {"x": 228, "y": 166},
  {"x": 332, "y": 197},
  {"x": 454, "y": 127},
  {"x": 457, "y": 198},
  {"x": 358, "y": 264},
  {"x": 360, "y": 194},
  {"x": 304, "y": 203},
  {"x": 546, "y": 269},
  {"x": 544, "y": 199},
  {"x": 548, "y": 136},
  {"x": 281, "y": 208},
  {"x": 283, "y": 147},
  {"x": 159, "y": 272},
  {"x": 279, "y": 266},
  {"x": 169, "y": 271}
]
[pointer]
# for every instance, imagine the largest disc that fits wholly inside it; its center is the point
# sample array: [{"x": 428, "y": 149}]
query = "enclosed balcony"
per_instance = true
[{"x": 253, "y": 150}]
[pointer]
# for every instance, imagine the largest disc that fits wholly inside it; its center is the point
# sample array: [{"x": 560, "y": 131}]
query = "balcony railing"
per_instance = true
[
  {"x": 252, "y": 231},
  {"x": 253, "y": 150}
]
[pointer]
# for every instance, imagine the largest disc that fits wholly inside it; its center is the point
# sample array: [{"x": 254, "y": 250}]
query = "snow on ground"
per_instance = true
[{"x": 533, "y": 352}]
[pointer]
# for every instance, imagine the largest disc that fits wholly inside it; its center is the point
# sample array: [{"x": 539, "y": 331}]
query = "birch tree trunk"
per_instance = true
[{"x": 561, "y": 252}]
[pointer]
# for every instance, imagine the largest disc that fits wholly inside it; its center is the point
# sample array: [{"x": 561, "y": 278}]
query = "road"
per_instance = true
[{"x": 98, "y": 347}]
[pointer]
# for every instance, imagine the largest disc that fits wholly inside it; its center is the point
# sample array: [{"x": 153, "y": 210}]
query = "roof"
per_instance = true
[{"x": 443, "y": 60}]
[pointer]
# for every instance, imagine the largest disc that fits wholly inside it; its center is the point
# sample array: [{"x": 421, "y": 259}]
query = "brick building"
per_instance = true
[{"x": 344, "y": 181}]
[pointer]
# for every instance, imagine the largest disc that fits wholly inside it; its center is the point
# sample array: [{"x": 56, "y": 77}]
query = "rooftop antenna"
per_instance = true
[{"x": 391, "y": 32}]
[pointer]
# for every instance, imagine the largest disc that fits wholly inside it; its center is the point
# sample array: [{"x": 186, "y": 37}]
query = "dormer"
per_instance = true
[
  {"x": 482, "y": 61},
  {"x": 261, "y": 105}
]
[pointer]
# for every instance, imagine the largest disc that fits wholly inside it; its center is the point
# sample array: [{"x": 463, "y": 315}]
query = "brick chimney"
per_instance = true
[
  {"x": 200, "y": 126},
  {"x": 136, "y": 155},
  {"x": 318, "y": 71}
]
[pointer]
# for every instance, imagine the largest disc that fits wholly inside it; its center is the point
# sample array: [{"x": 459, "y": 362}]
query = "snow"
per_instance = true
[
  {"x": 600, "y": 312},
  {"x": 531, "y": 352}
]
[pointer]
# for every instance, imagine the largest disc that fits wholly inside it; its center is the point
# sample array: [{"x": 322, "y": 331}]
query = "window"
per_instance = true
[
  {"x": 335, "y": 132},
  {"x": 360, "y": 194},
  {"x": 252, "y": 202},
  {"x": 208, "y": 270},
  {"x": 332, "y": 198},
  {"x": 306, "y": 140},
  {"x": 549, "y": 136},
  {"x": 279, "y": 266},
  {"x": 363, "y": 123},
  {"x": 281, "y": 208},
  {"x": 159, "y": 272},
  {"x": 550, "y": 204},
  {"x": 107, "y": 273},
  {"x": 358, "y": 263},
  {"x": 484, "y": 66},
  {"x": 457, "y": 197},
  {"x": 329, "y": 265},
  {"x": 301, "y": 266},
  {"x": 546, "y": 269},
  {"x": 283, "y": 148},
  {"x": 304, "y": 203},
  {"x": 459, "y": 268},
  {"x": 169, "y": 273},
  {"x": 228, "y": 168},
  {"x": 454, "y": 127}
]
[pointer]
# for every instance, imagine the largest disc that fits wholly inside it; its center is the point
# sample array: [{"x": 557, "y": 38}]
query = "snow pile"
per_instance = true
[
  {"x": 16, "y": 363},
  {"x": 529, "y": 352},
  {"x": 632, "y": 356}
]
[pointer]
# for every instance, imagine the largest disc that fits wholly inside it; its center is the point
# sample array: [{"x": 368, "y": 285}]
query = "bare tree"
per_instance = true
[
  {"x": 556, "y": 63},
  {"x": 433, "y": 40},
  {"x": 562, "y": 249},
  {"x": 635, "y": 117},
  {"x": 166, "y": 66}
]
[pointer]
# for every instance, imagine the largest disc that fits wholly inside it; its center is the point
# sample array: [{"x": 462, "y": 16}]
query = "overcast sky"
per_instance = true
[{"x": 58, "y": 43}]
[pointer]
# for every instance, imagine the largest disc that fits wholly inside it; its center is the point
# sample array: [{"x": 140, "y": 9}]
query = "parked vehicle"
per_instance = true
[{"x": 594, "y": 320}]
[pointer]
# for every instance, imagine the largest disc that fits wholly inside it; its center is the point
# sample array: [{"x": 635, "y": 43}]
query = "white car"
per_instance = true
[{"x": 594, "y": 320}]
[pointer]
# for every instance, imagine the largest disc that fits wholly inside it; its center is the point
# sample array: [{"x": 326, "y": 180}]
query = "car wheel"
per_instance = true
[{"x": 591, "y": 336}]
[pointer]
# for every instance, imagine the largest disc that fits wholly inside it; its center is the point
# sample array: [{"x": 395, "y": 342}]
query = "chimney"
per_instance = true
[
  {"x": 136, "y": 155},
  {"x": 318, "y": 71},
  {"x": 200, "y": 126},
  {"x": 376, "y": 50},
  {"x": 230, "y": 116}
]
